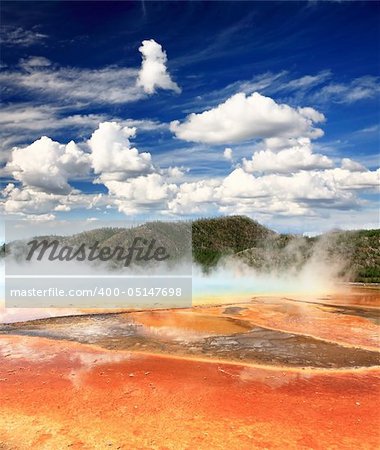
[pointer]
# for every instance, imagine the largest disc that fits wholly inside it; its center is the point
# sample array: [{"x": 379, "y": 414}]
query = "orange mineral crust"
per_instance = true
[
  {"x": 350, "y": 326},
  {"x": 56, "y": 394}
]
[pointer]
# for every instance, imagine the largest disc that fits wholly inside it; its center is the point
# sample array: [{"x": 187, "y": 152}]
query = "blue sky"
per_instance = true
[{"x": 292, "y": 91}]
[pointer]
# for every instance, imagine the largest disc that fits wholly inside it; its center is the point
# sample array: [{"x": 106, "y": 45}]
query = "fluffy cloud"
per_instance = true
[
  {"x": 154, "y": 73},
  {"x": 227, "y": 154},
  {"x": 113, "y": 157},
  {"x": 45, "y": 168},
  {"x": 134, "y": 183},
  {"x": 262, "y": 208},
  {"x": 194, "y": 197},
  {"x": 238, "y": 193},
  {"x": 23, "y": 122},
  {"x": 353, "y": 180},
  {"x": 295, "y": 194},
  {"x": 242, "y": 118},
  {"x": 146, "y": 192},
  {"x": 352, "y": 166},
  {"x": 47, "y": 165},
  {"x": 297, "y": 157},
  {"x": 174, "y": 173},
  {"x": 308, "y": 187},
  {"x": 108, "y": 85},
  {"x": 27, "y": 200},
  {"x": 283, "y": 178},
  {"x": 33, "y": 203}
]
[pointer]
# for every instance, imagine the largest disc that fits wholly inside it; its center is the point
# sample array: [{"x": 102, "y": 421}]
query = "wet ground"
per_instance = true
[
  {"x": 271, "y": 372},
  {"x": 196, "y": 334}
]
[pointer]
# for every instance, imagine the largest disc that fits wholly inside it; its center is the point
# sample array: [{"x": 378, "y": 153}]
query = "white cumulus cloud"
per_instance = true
[
  {"x": 47, "y": 165},
  {"x": 134, "y": 183},
  {"x": 227, "y": 154},
  {"x": 352, "y": 166},
  {"x": 294, "y": 158},
  {"x": 284, "y": 178},
  {"x": 145, "y": 192},
  {"x": 241, "y": 118},
  {"x": 112, "y": 155},
  {"x": 154, "y": 73}
]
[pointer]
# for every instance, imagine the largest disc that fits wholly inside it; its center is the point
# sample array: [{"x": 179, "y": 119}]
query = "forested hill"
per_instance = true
[{"x": 357, "y": 252}]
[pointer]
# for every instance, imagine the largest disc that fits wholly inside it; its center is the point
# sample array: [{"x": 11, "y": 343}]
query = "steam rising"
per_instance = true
[
  {"x": 293, "y": 270},
  {"x": 298, "y": 268}
]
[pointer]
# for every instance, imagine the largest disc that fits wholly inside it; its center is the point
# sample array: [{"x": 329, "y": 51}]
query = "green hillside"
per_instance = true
[
  {"x": 214, "y": 238},
  {"x": 356, "y": 252}
]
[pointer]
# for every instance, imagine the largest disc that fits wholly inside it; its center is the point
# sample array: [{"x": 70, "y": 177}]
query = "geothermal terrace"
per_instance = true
[{"x": 269, "y": 372}]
